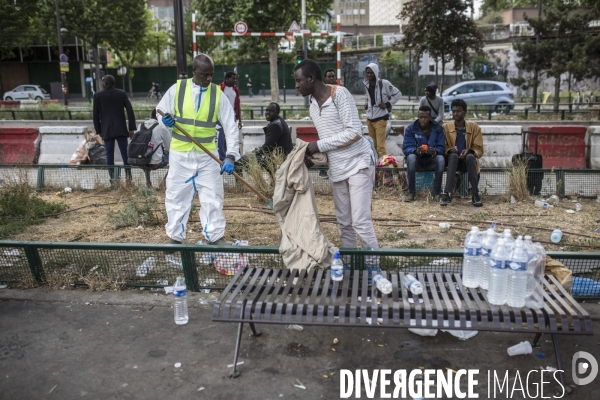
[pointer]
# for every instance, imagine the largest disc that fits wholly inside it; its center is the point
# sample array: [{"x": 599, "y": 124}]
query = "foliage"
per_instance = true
[
  {"x": 20, "y": 207},
  {"x": 564, "y": 45},
  {"x": 260, "y": 16},
  {"x": 445, "y": 31},
  {"x": 139, "y": 210},
  {"x": 18, "y": 22},
  {"x": 396, "y": 62},
  {"x": 488, "y": 6}
]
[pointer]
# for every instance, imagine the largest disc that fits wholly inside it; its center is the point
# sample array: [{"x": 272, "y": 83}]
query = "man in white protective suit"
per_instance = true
[{"x": 196, "y": 105}]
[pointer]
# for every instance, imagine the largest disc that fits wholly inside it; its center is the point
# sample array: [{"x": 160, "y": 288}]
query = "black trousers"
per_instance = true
[{"x": 469, "y": 163}]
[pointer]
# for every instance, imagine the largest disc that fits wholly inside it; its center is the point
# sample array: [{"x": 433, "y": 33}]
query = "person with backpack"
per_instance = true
[
  {"x": 436, "y": 103},
  {"x": 381, "y": 96},
  {"x": 149, "y": 147}
]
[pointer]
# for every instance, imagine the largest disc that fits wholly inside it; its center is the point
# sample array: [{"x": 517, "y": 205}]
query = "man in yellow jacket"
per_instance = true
[
  {"x": 196, "y": 105},
  {"x": 464, "y": 148}
]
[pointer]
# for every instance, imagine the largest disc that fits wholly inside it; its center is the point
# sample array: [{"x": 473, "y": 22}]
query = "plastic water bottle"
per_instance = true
[
  {"x": 472, "y": 259},
  {"x": 531, "y": 263},
  {"x": 180, "y": 297},
  {"x": 509, "y": 241},
  {"x": 413, "y": 284},
  {"x": 498, "y": 281},
  {"x": 556, "y": 236},
  {"x": 517, "y": 276},
  {"x": 487, "y": 246},
  {"x": 382, "y": 284},
  {"x": 337, "y": 268},
  {"x": 146, "y": 267}
]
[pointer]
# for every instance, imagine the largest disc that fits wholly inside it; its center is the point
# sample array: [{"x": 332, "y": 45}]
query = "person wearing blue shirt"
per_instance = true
[{"x": 424, "y": 131}]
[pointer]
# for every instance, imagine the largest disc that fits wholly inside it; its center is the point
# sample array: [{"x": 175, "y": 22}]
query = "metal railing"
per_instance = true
[{"x": 209, "y": 267}]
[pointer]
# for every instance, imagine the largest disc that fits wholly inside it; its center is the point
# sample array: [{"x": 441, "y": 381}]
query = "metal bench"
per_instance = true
[{"x": 284, "y": 296}]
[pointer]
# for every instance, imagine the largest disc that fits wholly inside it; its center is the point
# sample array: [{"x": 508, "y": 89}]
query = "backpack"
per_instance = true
[{"x": 138, "y": 151}]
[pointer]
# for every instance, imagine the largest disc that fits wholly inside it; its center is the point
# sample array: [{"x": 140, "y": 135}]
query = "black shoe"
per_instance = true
[
  {"x": 409, "y": 197},
  {"x": 172, "y": 241},
  {"x": 446, "y": 200},
  {"x": 476, "y": 200}
]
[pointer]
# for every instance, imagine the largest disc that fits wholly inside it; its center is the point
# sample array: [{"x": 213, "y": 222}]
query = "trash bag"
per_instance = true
[
  {"x": 97, "y": 154},
  {"x": 585, "y": 287}
]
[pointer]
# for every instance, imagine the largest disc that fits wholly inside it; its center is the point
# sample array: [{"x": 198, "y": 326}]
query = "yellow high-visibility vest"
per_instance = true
[{"x": 200, "y": 125}]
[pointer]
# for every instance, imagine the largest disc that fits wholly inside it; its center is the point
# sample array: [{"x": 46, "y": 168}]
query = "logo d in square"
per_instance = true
[{"x": 584, "y": 363}]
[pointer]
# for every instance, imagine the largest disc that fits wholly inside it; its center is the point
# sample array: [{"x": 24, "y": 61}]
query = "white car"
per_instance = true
[
  {"x": 496, "y": 95},
  {"x": 27, "y": 92}
]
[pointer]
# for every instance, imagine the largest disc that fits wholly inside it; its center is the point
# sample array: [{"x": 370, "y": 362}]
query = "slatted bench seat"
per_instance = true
[{"x": 284, "y": 296}]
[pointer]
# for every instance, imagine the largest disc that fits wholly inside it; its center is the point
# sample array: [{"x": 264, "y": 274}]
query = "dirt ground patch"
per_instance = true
[{"x": 87, "y": 221}]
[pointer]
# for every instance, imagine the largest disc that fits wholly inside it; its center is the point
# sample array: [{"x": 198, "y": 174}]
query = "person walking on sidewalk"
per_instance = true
[
  {"x": 436, "y": 103},
  {"x": 350, "y": 154},
  {"x": 196, "y": 104},
  {"x": 381, "y": 95},
  {"x": 230, "y": 89},
  {"x": 249, "y": 86},
  {"x": 110, "y": 124},
  {"x": 464, "y": 148}
]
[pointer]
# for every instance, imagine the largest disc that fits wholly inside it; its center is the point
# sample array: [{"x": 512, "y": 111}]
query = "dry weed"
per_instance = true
[
  {"x": 255, "y": 168},
  {"x": 517, "y": 180}
]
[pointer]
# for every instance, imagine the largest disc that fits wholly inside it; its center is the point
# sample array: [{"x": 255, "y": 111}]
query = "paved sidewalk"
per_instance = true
[{"x": 75, "y": 344}]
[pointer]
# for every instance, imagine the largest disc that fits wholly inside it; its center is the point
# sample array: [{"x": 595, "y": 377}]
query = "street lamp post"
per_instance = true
[
  {"x": 63, "y": 75},
  {"x": 158, "y": 55},
  {"x": 283, "y": 48}
]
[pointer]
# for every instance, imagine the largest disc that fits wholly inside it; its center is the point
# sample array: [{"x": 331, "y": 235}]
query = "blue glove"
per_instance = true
[
  {"x": 227, "y": 166},
  {"x": 168, "y": 120}
]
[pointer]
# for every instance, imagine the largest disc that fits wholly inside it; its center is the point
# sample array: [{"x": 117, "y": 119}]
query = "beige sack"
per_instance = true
[{"x": 562, "y": 274}]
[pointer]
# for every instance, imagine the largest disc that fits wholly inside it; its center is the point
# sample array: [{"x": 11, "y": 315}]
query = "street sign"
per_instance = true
[
  {"x": 294, "y": 27},
  {"x": 240, "y": 27},
  {"x": 63, "y": 58},
  {"x": 64, "y": 66}
]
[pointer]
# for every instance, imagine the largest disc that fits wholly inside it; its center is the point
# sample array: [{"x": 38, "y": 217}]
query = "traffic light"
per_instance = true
[{"x": 299, "y": 56}]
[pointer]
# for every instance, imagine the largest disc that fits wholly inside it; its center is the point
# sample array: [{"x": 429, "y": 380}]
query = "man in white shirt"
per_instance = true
[
  {"x": 351, "y": 156},
  {"x": 196, "y": 104}
]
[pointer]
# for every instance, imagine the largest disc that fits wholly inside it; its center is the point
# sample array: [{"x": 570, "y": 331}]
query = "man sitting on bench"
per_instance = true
[
  {"x": 424, "y": 147},
  {"x": 464, "y": 148}
]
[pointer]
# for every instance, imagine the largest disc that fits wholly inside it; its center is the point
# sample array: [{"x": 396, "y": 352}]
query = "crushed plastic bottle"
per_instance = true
[
  {"x": 413, "y": 284},
  {"x": 384, "y": 285},
  {"x": 146, "y": 267}
]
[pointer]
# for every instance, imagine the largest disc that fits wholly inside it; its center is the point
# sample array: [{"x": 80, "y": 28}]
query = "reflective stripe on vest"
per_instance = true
[{"x": 202, "y": 125}]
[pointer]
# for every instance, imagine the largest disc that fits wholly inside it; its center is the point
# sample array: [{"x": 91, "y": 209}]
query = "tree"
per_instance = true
[
  {"x": 18, "y": 21},
  {"x": 488, "y": 6},
  {"x": 564, "y": 45},
  {"x": 260, "y": 16},
  {"x": 127, "y": 47},
  {"x": 445, "y": 31}
]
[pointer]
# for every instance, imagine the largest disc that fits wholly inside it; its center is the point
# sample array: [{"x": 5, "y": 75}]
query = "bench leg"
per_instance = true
[
  {"x": 254, "y": 333},
  {"x": 235, "y": 372},
  {"x": 536, "y": 340},
  {"x": 561, "y": 374}
]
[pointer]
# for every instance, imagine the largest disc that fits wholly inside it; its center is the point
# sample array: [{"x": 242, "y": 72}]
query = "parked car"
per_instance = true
[
  {"x": 27, "y": 92},
  {"x": 497, "y": 95}
]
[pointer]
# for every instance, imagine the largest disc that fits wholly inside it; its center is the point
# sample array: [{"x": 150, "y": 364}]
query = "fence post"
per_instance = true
[
  {"x": 70, "y": 116},
  {"x": 526, "y": 112},
  {"x": 560, "y": 182},
  {"x": 539, "y": 106},
  {"x": 562, "y": 115},
  {"x": 284, "y": 114},
  {"x": 41, "y": 115},
  {"x": 13, "y": 115},
  {"x": 489, "y": 115},
  {"x": 40, "y": 177},
  {"x": 35, "y": 263},
  {"x": 190, "y": 272},
  {"x": 251, "y": 113}
]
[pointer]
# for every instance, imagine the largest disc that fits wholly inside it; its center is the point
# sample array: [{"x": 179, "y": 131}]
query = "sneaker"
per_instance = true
[
  {"x": 220, "y": 242},
  {"x": 476, "y": 200},
  {"x": 172, "y": 241},
  {"x": 446, "y": 200},
  {"x": 409, "y": 197}
]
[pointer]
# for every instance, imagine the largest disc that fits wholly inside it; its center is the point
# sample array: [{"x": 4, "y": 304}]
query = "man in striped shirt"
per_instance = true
[{"x": 350, "y": 155}]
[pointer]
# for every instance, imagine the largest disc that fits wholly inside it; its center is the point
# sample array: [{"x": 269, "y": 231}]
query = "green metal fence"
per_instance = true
[
  {"x": 492, "y": 181},
  {"x": 208, "y": 267}
]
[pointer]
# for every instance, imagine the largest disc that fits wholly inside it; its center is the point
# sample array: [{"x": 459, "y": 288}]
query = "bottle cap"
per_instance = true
[{"x": 336, "y": 255}]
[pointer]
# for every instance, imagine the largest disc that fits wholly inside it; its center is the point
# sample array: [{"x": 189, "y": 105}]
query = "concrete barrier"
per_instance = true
[
  {"x": 19, "y": 145},
  {"x": 561, "y": 146},
  {"x": 594, "y": 140},
  {"x": 60, "y": 142},
  {"x": 253, "y": 137},
  {"x": 500, "y": 143}
]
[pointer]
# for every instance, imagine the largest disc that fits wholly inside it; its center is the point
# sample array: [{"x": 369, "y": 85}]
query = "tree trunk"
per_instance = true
[
  {"x": 556, "y": 93},
  {"x": 273, "y": 71},
  {"x": 97, "y": 64},
  {"x": 130, "y": 86}
]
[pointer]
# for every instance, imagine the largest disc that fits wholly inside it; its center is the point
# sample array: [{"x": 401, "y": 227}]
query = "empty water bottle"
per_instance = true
[
  {"x": 517, "y": 276},
  {"x": 556, "y": 236},
  {"x": 487, "y": 246},
  {"x": 180, "y": 297},
  {"x": 337, "y": 267},
  {"x": 146, "y": 267},
  {"x": 578, "y": 207},
  {"x": 384, "y": 285},
  {"x": 531, "y": 263},
  {"x": 472, "y": 259},
  {"x": 413, "y": 284},
  {"x": 498, "y": 281}
]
